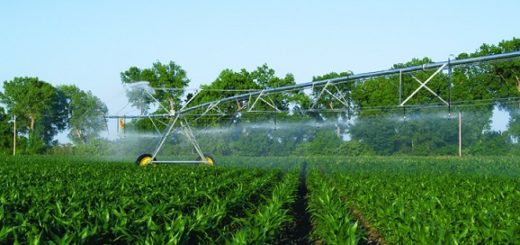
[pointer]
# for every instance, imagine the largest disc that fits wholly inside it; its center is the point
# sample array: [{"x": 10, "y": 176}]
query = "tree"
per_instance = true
[
  {"x": 491, "y": 144},
  {"x": 6, "y": 133},
  {"x": 503, "y": 80},
  {"x": 265, "y": 77},
  {"x": 169, "y": 79},
  {"x": 227, "y": 84},
  {"x": 85, "y": 114},
  {"x": 40, "y": 109},
  {"x": 329, "y": 100},
  {"x": 230, "y": 83},
  {"x": 326, "y": 142}
]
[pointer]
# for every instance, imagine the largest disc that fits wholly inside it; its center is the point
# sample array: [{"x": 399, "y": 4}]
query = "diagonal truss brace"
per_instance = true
[
  {"x": 155, "y": 125},
  {"x": 320, "y": 94},
  {"x": 188, "y": 132},
  {"x": 431, "y": 91},
  {"x": 185, "y": 129},
  {"x": 214, "y": 107},
  {"x": 324, "y": 90},
  {"x": 341, "y": 100},
  {"x": 165, "y": 135},
  {"x": 270, "y": 103},
  {"x": 423, "y": 84}
]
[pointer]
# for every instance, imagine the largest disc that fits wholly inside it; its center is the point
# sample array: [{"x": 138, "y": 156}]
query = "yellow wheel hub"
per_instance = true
[
  {"x": 145, "y": 161},
  {"x": 209, "y": 161}
]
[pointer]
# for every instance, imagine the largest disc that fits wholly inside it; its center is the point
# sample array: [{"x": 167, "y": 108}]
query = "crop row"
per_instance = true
[
  {"x": 265, "y": 224},
  {"x": 111, "y": 202},
  {"x": 430, "y": 200},
  {"x": 331, "y": 217}
]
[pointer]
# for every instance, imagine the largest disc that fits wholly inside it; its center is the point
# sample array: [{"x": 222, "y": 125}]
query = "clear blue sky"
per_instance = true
[{"x": 89, "y": 43}]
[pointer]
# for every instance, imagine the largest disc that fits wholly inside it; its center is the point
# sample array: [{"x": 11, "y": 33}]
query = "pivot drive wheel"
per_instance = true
[
  {"x": 209, "y": 160},
  {"x": 144, "y": 160}
]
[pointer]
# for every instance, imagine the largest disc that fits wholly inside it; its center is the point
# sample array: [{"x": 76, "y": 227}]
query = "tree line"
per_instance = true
[
  {"x": 42, "y": 110},
  {"x": 370, "y": 123}
]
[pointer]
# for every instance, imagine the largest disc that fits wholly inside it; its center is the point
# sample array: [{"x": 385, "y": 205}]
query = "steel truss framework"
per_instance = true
[{"x": 177, "y": 121}]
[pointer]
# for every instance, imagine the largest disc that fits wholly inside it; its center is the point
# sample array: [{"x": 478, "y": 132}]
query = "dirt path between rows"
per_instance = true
[
  {"x": 299, "y": 232},
  {"x": 373, "y": 235}
]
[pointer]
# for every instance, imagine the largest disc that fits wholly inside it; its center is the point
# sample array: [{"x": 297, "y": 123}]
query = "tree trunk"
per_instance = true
[
  {"x": 79, "y": 135},
  {"x": 31, "y": 125},
  {"x": 517, "y": 83},
  {"x": 31, "y": 129},
  {"x": 172, "y": 106},
  {"x": 14, "y": 135}
]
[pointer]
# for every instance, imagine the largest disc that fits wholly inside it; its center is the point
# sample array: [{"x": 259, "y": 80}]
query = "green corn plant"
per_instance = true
[
  {"x": 431, "y": 200},
  {"x": 332, "y": 221},
  {"x": 265, "y": 224}
]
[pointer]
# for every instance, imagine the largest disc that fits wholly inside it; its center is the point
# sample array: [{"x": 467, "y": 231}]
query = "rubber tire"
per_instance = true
[
  {"x": 211, "y": 158},
  {"x": 139, "y": 160}
]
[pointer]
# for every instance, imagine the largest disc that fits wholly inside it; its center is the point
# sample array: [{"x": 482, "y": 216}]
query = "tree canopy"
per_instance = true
[
  {"x": 85, "y": 114},
  {"x": 167, "y": 80},
  {"x": 6, "y": 132},
  {"x": 40, "y": 109}
]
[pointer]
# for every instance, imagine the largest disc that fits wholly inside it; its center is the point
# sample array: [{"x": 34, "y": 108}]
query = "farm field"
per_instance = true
[
  {"x": 244, "y": 200},
  {"x": 423, "y": 200}
]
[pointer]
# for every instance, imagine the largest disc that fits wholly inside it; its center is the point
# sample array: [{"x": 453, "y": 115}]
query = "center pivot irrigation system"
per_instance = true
[{"x": 178, "y": 122}]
